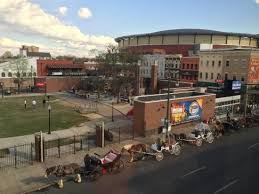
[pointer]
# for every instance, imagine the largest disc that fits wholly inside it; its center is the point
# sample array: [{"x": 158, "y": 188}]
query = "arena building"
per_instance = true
[{"x": 185, "y": 41}]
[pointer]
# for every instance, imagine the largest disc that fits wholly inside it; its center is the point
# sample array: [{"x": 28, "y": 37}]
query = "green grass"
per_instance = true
[{"x": 15, "y": 120}]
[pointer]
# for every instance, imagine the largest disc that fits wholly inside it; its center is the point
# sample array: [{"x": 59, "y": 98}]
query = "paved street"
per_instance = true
[{"x": 230, "y": 165}]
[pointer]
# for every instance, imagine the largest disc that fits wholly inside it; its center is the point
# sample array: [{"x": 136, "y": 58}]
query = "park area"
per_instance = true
[{"x": 15, "y": 120}]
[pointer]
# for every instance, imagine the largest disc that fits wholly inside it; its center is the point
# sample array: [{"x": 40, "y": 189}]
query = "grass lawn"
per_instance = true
[{"x": 15, "y": 120}]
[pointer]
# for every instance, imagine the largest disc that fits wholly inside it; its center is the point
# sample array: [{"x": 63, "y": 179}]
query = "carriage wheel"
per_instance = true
[
  {"x": 177, "y": 150},
  {"x": 198, "y": 143},
  {"x": 210, "y": 139},
  {"x": 118, "y": 167},
  {"x": 159, "y": 156}
]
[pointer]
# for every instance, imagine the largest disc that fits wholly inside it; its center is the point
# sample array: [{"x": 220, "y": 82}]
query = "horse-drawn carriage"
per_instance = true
[
  {"x": 201, "y": 133},
  {"x": 96, "y": 166}
]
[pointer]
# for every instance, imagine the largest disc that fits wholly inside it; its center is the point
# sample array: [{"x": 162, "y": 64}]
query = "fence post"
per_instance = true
[
  {"x": 119, "y": 135},
  {"x": 81, "y": 143},
  {"x": 15, "y": 157},
  {"x": 88, "y": 148},
  {"x": 59, "y": 147},
  {"x": 31, "y": 154},
  {"x": 74, "y": 144}
]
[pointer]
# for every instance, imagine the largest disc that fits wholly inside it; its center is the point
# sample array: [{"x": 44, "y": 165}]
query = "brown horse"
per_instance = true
[
  {"x": 132, "y": 149},
  {"x": 63, "y": 170}
]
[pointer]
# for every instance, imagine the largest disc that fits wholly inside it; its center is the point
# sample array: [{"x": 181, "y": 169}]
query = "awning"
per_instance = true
[{"x": 65, "y": 66}]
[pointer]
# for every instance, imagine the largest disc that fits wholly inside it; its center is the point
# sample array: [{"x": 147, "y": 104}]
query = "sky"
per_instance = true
[{"x": 86, "y": 27}]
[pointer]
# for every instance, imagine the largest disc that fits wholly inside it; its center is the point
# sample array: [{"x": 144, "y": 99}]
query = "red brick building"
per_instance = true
[
  {"x": 185, "y": 107},
  {"x": 189, "y": 69},
  {"x": 58, "y": 67}
]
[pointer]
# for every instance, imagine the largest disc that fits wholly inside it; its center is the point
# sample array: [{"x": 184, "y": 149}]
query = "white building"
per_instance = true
[{"x": 147, "y": 62}]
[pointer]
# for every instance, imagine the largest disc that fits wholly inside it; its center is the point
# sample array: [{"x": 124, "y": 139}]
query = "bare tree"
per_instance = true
[
  {"x": 21, "y": 65},
  {"x": 6, "y": 55}
]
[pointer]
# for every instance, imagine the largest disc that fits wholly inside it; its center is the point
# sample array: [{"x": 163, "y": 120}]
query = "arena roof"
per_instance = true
[{"x": 190, "y": 32}]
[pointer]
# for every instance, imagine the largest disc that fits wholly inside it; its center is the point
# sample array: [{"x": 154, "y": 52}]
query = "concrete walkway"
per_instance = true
[{"x": 22, "y": 180}]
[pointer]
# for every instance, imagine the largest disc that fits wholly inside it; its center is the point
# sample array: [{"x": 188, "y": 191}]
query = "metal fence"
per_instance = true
[
  {"x": 69, "y": 145},
  {"x": 119, "y": 134},
  {"x": 17, "y": 156}
]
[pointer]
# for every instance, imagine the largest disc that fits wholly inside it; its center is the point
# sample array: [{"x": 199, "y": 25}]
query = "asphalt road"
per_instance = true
[{"x": 229, "y": 165}]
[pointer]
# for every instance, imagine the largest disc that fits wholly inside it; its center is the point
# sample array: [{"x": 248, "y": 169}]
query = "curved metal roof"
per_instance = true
[{"x": 190, "y": 32}]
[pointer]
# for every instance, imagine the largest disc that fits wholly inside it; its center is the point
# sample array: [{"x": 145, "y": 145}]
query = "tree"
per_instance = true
[
  {"x": 6, "y": 55},
  {"x": 21, "y": 65}
]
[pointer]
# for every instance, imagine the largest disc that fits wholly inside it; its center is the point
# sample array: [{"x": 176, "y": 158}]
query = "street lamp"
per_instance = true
[
  {"x": 112, "y": 112},
  {"x": 49, "y": 109},
  {"x": 2, "y": 87}
]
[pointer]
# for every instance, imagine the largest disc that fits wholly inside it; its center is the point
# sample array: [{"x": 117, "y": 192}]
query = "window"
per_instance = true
[
  {"x": 242, "y": 79},
  {"x": 206, "y": 76},
  {"x": 3, "y": 74},
  {"x": 9, "y": 74},
  {"x": 183, "y": 66},
  {"x": 191, "y": 66},
  {"x": 213, "y": 63},
  {"x": 187, "y": 66},
  {"x": 200, "y": 75},
  {"x": 201, "y": 62},
  {"x": 219, "y": 64},
  {"x": 218, "y": 76},
  {"x": 234, "y": 77},
  {"x": 227, "y": 63},
  {"x": 24, "y": 74},
  {"x": 226, "y": 76},
  {"x": 211, "y": 76},
  {"x": 196, "y": 66},
  {"x": 207, "y": 64}
]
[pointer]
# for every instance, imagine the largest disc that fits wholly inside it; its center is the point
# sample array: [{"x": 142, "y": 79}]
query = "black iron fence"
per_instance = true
[
  {"x": 17, "y": 156},
  {"x": 118, "y": 134},
  {"x": 69, "y": 145}
]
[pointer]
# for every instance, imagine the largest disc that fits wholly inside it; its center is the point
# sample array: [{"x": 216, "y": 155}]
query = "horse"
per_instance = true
[
  {"x": 134, "y": 148},
  {"x": 64, "y": 170}
]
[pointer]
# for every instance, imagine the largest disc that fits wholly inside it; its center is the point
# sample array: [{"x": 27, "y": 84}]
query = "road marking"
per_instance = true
[
  {"x": 252, "y": 146},
  {"x": 226, "y": 186},
  {"x": 194, "y": 171}
]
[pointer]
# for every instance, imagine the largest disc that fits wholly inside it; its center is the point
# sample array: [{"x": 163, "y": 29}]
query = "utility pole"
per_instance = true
[{"x": 246, "y": 99}]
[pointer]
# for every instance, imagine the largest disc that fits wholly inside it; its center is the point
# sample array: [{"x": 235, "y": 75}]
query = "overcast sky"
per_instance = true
[{"x": 78, "y": 26}]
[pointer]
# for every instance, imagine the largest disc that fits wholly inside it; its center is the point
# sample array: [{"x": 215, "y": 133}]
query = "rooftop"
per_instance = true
[
  {"x": 158, "y": 97},
  {"x": 38, "y": 54},
  {"x": 190, "y": 32}
]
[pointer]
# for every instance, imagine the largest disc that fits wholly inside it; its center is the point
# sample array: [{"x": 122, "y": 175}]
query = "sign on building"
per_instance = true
[{"x": 186, "y": 111}]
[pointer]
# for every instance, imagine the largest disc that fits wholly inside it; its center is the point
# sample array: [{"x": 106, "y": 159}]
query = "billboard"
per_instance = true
[
  {"x": 186, "y": 111},
  {"x": 253, "y": 71},
  {"x": 236, "y": 85}
]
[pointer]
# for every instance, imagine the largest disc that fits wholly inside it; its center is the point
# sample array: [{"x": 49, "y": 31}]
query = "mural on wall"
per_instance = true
[
  {"x": 186, "y": 111},
  {"x": 253, "y": 71}
]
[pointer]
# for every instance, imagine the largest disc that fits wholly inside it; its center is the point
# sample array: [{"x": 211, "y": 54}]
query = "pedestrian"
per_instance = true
[
  {"x": 44, "y": 102},
  {"x": 25, "y": 104},
  {"x": 48, "y": 98},
  {"x": 34, "y": 104}
]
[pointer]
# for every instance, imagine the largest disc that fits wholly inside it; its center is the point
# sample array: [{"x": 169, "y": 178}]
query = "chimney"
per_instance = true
[{"x": 154, "y": 78}]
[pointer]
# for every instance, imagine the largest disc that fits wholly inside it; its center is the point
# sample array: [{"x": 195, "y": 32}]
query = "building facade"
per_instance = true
[
  {"x": 147, "y": 62},
  {"x": 189, "y": 69},
  {"x": 172, "y": 66},
  {"x": 220, "y": 65},
  {"x": 185, "y": 41}
]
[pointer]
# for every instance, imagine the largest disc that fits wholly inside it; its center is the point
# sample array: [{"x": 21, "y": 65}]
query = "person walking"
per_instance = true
[
  {"x": 25, "y": 104},
  {"x": 44, "y": 102},
  {"x": 34, "y": 104}
]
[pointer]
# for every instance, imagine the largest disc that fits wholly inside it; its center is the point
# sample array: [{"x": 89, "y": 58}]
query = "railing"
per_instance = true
[
  {"x": 68, "y": 145},
  {"x": 119, "y": 134},
  {"x": 17, "y": 156}
]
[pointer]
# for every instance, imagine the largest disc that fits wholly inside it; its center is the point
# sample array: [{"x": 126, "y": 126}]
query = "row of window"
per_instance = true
[
  {"x": 189, "y": 66},
  {"x": 24, "y": 74},
  {"x": 213, "y": 63},
  {"x": 218, "y": 76},
  {"x": 190, "y": 77}
]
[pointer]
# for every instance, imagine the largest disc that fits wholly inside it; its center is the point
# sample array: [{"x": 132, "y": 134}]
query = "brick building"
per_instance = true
[
  {"x": 189, "y": 69},
  {"x": 185, "y": 107}
]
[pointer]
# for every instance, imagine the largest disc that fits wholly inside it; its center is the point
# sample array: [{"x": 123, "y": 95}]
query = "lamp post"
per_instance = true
[
  {"x": 112, "y": 112},
  {"x": 49, "y": 109},
  {"x": 2, "y": 88}
]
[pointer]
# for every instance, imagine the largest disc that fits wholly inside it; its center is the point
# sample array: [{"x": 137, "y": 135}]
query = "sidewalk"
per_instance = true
[{"x": 22, "y": 180}]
